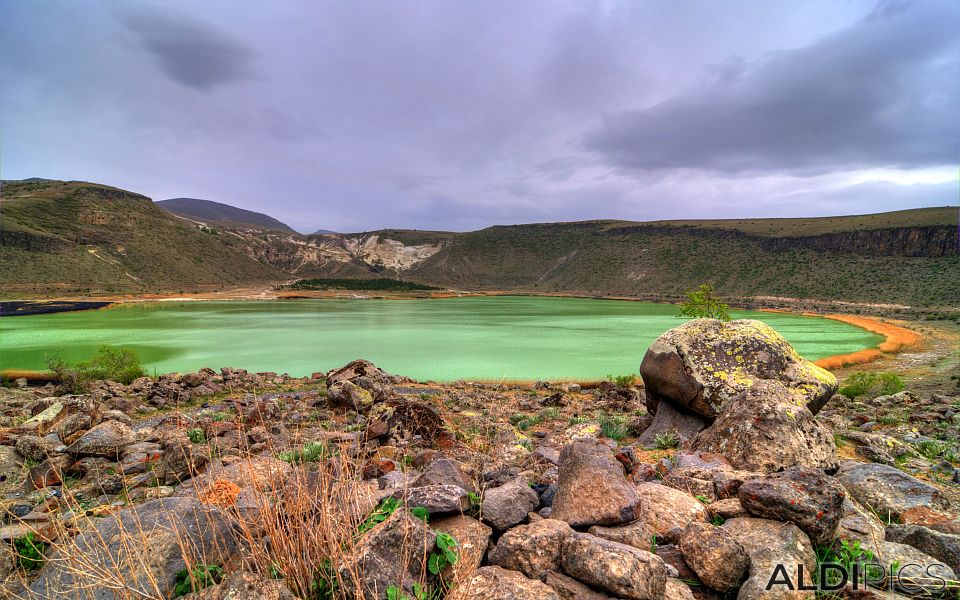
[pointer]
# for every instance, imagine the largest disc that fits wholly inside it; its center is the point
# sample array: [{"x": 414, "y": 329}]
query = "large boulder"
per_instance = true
[
  {"x": 912, "y": 570},
  {"x": 705, "y": 363},
  {"x": 886, "y": 490},
  {"x": 592, "y": 488},
  {"x": 495, "y": 583},
  {"x": 472, "y": 537},
  {"x": 807, "y": 498},
  {"x": 444, "y": 471},
  {"x": 532, "y": 549},
  {"x": 769, "y": 428},
  {"x": 623, "y": 571},
  {"x": 138, "y": 552},
  {"x": 772, "y": 546}
]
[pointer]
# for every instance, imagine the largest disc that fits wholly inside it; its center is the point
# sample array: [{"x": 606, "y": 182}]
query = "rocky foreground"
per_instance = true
[{"x": 734, "y": 470}]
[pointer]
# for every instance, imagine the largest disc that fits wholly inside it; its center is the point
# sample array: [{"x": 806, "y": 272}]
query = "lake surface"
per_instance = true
[{"x": 488, "y": 338}]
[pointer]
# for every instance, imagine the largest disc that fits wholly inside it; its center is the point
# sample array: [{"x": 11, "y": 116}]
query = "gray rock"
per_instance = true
[
  {"x": 705, "y": 363},
  {"x": 618, "y": 569},
  {"x": 944, "y": 547},
  {"x": 444, "y": 471},
  {"x": 768, "y": 428},
  {"x": 592, "y": 488},
  {"x": 392, "y": 554},
  {"x": 805, "y": 497},
  {"x": 769, "y": 544},
  {"x": 532, "y": 549},
  {"x": 495, "y": 583},
  {"x": 505, "y": 506},
  {"x": 437, "y": 499},
  {"x": 915, "y": 570},
  {"x": 138, "y": 551},
  {"x": 718, "y": 559},
  {"x": 887, "y": 490},
  {"x": 668, "y": 418},
  {"x": 663, "y": 513},
  {"x": 106, "y": 439}
]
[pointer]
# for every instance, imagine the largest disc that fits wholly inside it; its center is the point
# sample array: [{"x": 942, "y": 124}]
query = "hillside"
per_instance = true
[
  {"x": 76, "y": 237},
  {"x": 57, "y": 236},
  {"x": 217, "y": 213}
]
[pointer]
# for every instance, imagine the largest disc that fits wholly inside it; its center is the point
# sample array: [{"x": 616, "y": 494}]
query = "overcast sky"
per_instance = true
[{"x": 457, "y": 115}]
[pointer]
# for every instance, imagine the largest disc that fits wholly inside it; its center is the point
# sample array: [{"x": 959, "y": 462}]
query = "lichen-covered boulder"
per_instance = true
[
  {"x": 773, "y": 546},
  {"x": 888, "y": 491},
  {"x": 703, "y": 364},
  {"x": 767, "y": 429}
]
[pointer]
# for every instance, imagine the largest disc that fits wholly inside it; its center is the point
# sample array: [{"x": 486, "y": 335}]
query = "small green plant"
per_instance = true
[
  {"x": 717, "y": 520},
  {"x": 193, "y": 580},
  {"x": 703, "y": 303},
  {"x": 549, "y": 413},
  {"x": 447, "y": 555},
  {"x": 310, "y": 452},
  {"x": 666, "y": 440},
  {"x": 613, "y": 427},
  {"x": 871, "y": 384},
  {"x": 197, "y": 436},
  {"x": 381, "y": 513},
  {"x": 622, "y": 381},
  {"x": 114, "y": 364},
  {"x": 523, "y": 422},
  {"x": 29, "y": 551},
  {"x": 893, "y": 417},
  {"x": 703, "y": 499},
  {"x": 421, "y": 513}
]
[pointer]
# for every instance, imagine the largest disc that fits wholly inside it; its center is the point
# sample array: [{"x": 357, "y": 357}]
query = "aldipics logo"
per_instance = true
[{"x": 914, "y": 579}]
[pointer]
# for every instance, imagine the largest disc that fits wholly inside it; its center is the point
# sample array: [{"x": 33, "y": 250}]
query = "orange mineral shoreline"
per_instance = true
[{"x": 897, "y": 338}]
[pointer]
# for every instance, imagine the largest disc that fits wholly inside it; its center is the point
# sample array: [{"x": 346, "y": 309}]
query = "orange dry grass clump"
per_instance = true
[
  {"x": 897, "y": 338},
  {"x": 221, "y": 493}
]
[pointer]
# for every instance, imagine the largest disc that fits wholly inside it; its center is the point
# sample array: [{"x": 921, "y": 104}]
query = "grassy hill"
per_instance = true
[
  {"x": 77, "y": 237},
  {"x": 80, "y": 237},
  {"x": 216, "y": 213}
]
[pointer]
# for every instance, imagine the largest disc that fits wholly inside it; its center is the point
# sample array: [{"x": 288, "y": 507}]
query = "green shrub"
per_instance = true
[
  {"x": 114, "y": 364},
  {"x": 871, "y": 384},
  {"x": 612, "y": 426},
  {"x": 622, "y": 381},
  {"x": 29, "y": 552},
  {"x": 666, "y": 440},
  {"x": 201, "y": 576},
  {"x": 704, "y": 303},
  {"x": 310, "y": 452},
  {"x": 196, "y": 436}
]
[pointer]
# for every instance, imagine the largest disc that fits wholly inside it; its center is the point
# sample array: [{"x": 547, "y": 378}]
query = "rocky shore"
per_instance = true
[{"x": 731, "y": 469}]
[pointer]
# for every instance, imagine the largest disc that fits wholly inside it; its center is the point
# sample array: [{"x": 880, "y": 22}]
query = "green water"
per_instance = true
[{"x": 443, "y": 339}]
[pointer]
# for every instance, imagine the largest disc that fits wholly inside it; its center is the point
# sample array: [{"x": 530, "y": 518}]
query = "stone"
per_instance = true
[
  {"x": 244, "y": 585},
  {"x": 621, "y": 570},
  {"x": 670, "y": 419},
  {"x": 944, "y": 547},
  {"x": 505, "y": 506},
  {"x": 592, "y": 488},
  {"x": 569, "y": 588},
  {"x": 677, "y": 590},
  {"x": 705, "y": 363},
  {"x": 34, "y": 447},
  {"x": 532, "y": 549},
  {"x": 769, "y": 544},
  {"x": 728, "y": 508},
  {"x": 11, "y": 466},
  {"x": 859, "y": 525},
  {"x": 495, "y": 583},
  {"x": 140, "y": 549},
  {"x": 106, "y": 439},
  {"x": 718, "y": 559},
  {"x": 663, "y": 513},
  {"x": 886, "y": 490},
  {"x": 394, "y": 553},
  {"x": 915, "y": 570},
  {"x": 805, "y": 497},
  {"x": 350, "y": 395},
  {"x": 437, "y": 499},
  {"x": 263, "y": 473},
  {"x": 768, "y": 428},
  {"x": 445, "y": 471},
  {"x": 472, "y": 537}
]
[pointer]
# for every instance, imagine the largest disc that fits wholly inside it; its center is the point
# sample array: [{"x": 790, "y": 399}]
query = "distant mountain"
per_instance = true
[
  {"x": 77, "y": 238},
  {"x": 211, "y": 212},
  {"x": 322, "y": 232}
]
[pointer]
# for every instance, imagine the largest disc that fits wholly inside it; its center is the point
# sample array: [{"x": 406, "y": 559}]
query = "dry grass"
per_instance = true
[{"x": 301, "y": 527}]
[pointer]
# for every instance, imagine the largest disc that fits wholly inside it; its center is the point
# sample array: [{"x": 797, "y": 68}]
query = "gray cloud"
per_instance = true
[
  {"x": 882, "y": 93},
  {"x": 189, "y": 50}
]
